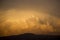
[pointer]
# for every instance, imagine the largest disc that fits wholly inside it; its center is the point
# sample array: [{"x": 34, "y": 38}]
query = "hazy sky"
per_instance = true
[{"x": 50, "y": 6}]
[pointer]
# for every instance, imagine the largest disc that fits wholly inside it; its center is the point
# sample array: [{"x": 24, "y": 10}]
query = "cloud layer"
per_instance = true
[{"x": 38, "y": 17}]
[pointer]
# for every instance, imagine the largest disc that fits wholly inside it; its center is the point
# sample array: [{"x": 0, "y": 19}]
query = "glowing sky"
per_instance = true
[{"x": 29, "y": 16}]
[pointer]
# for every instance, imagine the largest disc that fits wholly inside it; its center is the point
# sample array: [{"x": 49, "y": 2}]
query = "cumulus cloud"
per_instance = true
[{"x": 28, "y": 21}]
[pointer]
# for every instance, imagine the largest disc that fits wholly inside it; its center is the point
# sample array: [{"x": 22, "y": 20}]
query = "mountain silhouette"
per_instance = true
[{"x": 29, "y": 36}]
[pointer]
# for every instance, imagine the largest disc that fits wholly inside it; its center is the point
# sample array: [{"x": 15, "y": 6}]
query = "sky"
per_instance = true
[
  {"x": 44, "y": 5},
  {"x": 14, "y": 10}
]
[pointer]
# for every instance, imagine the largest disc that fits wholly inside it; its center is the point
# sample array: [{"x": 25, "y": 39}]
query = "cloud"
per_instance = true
[
  {"x": 22, "y": 21},
  {"x": 18, "y": 17}
]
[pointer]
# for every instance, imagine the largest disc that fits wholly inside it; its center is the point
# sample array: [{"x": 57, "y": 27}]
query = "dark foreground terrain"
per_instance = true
[{"x": 29, "y": 36}]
